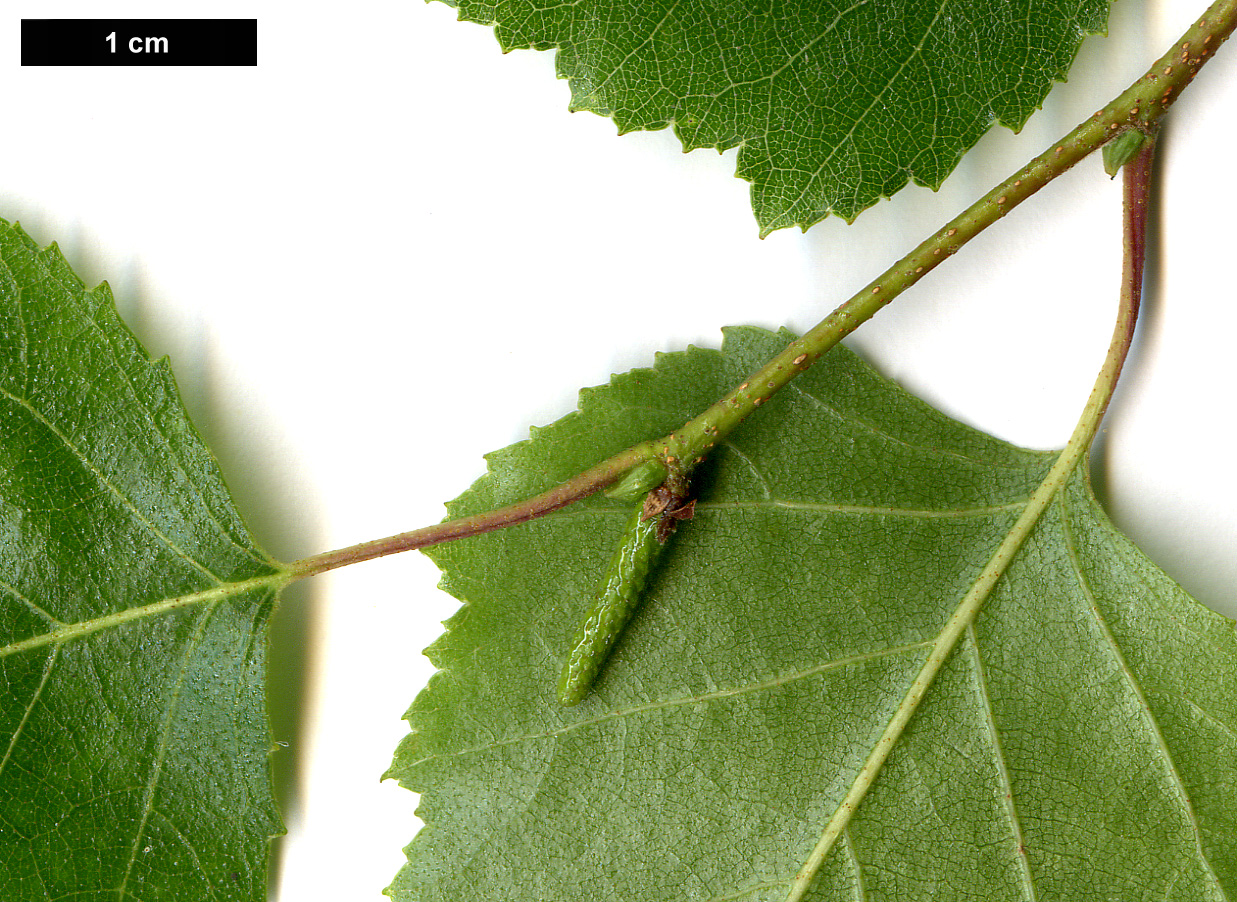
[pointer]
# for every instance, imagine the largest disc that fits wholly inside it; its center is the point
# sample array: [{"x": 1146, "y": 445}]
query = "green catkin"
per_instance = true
[{"x": 617, "y": 599}]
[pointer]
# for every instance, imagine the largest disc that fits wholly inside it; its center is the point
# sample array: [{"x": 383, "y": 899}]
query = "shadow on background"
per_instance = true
[{"x": 263, "y": 489}]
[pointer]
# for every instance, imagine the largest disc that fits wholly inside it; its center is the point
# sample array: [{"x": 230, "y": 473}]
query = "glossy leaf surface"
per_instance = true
[
  {"x": 833, "y": 105},
  {"x": 133, "y": 609},
  {"x": 1081, "y": 742}
]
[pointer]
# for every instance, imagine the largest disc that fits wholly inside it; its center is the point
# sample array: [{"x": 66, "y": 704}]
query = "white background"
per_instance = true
[{"x": 388, "y": 249}]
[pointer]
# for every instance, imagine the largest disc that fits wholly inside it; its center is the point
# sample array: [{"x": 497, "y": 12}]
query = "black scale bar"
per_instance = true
[{"x": 139, "y": 42}]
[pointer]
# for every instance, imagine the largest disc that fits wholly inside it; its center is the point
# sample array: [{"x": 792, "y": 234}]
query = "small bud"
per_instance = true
[
  {"x": 638, "y": 481},
  {"x": 1123, "y": 148}
]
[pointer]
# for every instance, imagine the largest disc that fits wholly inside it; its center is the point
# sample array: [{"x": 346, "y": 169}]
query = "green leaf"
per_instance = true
[
  {"x": 833, "y": 105},
  {"x": 133, "y": 611},
  {"x": 1080, "y": 743}
]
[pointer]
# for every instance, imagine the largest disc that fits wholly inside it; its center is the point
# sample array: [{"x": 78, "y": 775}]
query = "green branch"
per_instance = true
[{"x": 1141, "y": 106}]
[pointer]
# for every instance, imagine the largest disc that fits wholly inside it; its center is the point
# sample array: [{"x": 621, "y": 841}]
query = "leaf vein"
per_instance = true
[
  {"x": 771, "y": 683},
  {"x": 1011, "y": 809},
  {"x": 34, "y": 608},
  {"x": 747, "y": 891},
  {"x": 24, "y": 341},
  {"x": 636, "y": 49},
  {"x": 34, "y": 700},
  {"x": 111, "y": 487},
  {"x": 852, "y": 855},
  {"x": 813, "y": 507},
  {"x": 876, "y": 98},
  {"x": 73, "y": 293},
  {"x": 878, "y": 431},
  {"x": 1123, "y": 547},
  {"x": 864, "y": 510},
  {"x": 156, "y": 771},
  {"x": 193, "y": 853},
  {"x": 790, "y": 61},
  {"x": 734, "y": 449},
  {"x": 1135, "y": 686},
  {"x": 1211, "y": 718},
  {"x": 154, "y": 609}
]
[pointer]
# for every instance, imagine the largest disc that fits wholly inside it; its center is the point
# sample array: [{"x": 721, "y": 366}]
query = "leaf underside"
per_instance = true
[
  {"x": 833, "y": 105},
  {"x": 1079, "y": 744},
  {"x": 133, "y": 610}
]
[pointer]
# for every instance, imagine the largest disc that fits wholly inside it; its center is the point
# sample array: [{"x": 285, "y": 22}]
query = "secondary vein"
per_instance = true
[
  {"x": 33, "y": 608},
  {"x": 862, "y": 509},
  {"x": 33, "y": 703},
  {"x": 1170, "y": 766},
  {"x": 772, "y": 682},
  {"x": 156, "y": 767},
  {"x": 931, "y": 450},
  {"x": 73, "y": 292},
  {"x": 998, "y": 755},
  {"x": 110, "y": 486}
]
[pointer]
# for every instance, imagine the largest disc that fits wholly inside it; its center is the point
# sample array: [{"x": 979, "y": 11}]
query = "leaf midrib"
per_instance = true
[
  {"x": 770, "y": 77},
  {"x": 640, "y": 46},
  {"x": 71, "y": 631},
  {"x": 947, "y": 639},
  {"x": 848, "y": 138}
]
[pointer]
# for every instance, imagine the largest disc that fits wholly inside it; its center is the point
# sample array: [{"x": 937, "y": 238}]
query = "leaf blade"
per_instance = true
[
  {"x": 133, "y": 606},
  {"x": 712, "y": 778},
  {"x": 833, "y": 106}
]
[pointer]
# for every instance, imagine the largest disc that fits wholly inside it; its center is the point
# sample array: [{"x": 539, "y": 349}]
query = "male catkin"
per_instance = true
[{"x": 617, "y": 599}]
